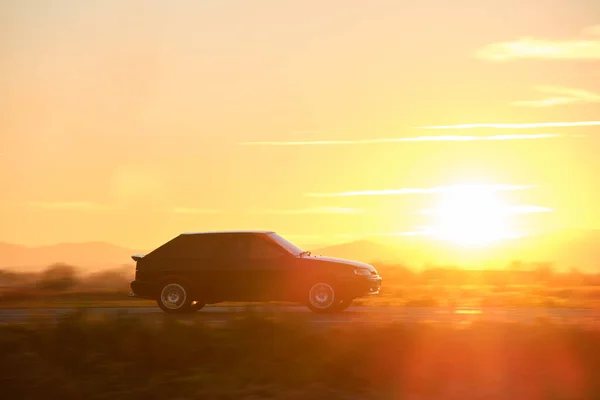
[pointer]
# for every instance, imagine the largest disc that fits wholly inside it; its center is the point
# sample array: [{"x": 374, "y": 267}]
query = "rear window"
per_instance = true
[{"x": 190, "y": 246}]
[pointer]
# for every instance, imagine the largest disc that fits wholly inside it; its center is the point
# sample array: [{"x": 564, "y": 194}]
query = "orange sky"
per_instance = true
[{"x": 130, "y": 122}]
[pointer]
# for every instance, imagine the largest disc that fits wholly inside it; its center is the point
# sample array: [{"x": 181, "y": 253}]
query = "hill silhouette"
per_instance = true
[
  {"x": 565, "y": 249},
  {"x": 87, "y": 255}
]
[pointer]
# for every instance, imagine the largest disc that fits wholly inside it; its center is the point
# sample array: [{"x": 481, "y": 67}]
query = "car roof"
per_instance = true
[{"x": 227, "y": 232}]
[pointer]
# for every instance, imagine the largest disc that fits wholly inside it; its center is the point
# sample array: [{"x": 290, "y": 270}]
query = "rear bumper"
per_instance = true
[{"x": 141, "y": 289}]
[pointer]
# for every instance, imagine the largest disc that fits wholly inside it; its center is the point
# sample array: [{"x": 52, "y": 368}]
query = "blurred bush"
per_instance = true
[
  {"x": 58, "y": 277},
  {"x": 108, "y": 279}
]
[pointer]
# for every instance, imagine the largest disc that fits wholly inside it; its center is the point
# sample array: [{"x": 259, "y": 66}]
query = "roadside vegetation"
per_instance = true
[
  {"x": 252, "y": 357},
  {"x": 519, "y": 285}
]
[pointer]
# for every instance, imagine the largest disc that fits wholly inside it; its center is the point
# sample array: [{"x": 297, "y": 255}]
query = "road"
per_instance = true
[{"x": 355, "y": 315}]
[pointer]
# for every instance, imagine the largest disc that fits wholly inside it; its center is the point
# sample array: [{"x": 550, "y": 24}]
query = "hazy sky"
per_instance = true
[{"x": 133, "y": 121}]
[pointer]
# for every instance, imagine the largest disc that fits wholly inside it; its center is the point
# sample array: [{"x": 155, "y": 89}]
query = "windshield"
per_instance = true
[{"x": 290, "y": 247}]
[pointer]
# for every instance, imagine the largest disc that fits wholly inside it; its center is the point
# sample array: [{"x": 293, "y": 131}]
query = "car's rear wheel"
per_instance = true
[
  {"x": 322, "y": 298},
  {"x": 174, "y": 298}
]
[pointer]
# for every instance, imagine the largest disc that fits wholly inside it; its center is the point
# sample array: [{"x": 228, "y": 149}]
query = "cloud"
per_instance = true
[
  {"x": 504, "y": 210},
  {"x": 549, "y": 102},
  {"x": 518, "y": 126},
  {"x": 67, "y": 205},
  {"x": 196, "y": 211},
  {"x": 528, "y": 209},
  {"x": 592, "y": 30},
  {"x": 458, "y": 138},
  {"x": 587, "y": 47},
  {"x": 318, "y": 210},
  {"x": 431, "y": 190},
  {"x": 566, "y": 96},
  {"x": 353, "y": 236}
]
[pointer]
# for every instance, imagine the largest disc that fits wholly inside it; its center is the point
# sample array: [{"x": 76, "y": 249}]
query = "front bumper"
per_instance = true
[{"x": 363, "y": 286}]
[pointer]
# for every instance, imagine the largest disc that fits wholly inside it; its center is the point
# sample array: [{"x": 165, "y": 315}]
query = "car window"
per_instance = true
[
  {"x": 255, "y": 247},
  {"x": 191, "y": 247},
  {"x": 285, "y": 244}
]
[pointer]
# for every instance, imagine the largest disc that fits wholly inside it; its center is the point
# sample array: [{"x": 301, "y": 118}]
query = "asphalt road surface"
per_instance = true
[{"x": 354, "y": 315}]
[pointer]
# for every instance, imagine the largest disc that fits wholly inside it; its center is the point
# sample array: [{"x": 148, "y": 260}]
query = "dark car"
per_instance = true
[{"x": 195, "y": 269}]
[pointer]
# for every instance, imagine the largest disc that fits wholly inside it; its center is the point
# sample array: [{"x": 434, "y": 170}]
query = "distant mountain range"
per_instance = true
[
  {"x": 87, "y": 255},
  {"x": 565, "y": 248},
  {"x": 569, "y": 248}
]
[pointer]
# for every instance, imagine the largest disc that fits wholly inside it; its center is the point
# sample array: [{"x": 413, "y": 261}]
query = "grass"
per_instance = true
[{"x": 255, "y": 358}]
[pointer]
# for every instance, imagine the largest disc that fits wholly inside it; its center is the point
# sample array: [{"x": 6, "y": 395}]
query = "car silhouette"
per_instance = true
[{"x": 195, "y": 269}]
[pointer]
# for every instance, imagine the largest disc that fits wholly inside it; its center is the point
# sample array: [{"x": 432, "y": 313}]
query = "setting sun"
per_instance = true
[{"x": 472, "y": 216}]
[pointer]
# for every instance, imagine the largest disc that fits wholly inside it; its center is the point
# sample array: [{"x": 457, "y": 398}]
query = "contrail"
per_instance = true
[
  {"x": 456, "y": 138},
  {"x": 517, "y": 126},
  {"x": 199, "y": 211},
  {"x": 432, "y": 190},
  {"x": 318, "y": 210}
]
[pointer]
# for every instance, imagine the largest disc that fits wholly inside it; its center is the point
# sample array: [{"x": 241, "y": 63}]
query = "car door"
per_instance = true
[
  {"x": 196, "y": 259},
  {"x": 266, "y": 268},
  {"x": 225, "y": 272}
]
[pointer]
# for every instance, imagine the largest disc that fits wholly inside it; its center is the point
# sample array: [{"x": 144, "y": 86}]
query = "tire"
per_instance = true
[
  {"x": 174, "y": 298},
  {"x": 321, "y": 298}
]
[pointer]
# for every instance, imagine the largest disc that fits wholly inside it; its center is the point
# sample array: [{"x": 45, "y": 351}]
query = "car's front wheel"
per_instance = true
[
  {"x": 174, "y": 298},
  {"x": 322, "y": 298}
]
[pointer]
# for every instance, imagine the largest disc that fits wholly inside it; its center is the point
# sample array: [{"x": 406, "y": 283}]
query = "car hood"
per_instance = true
[{"x": 344, "y": 261}]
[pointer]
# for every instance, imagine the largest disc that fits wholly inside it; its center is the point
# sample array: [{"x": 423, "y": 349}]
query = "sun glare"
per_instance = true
[{"x": 472, "y": 216}]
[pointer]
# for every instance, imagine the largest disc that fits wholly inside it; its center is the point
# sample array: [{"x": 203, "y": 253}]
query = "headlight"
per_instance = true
[{"x": 362, "y": 271}]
